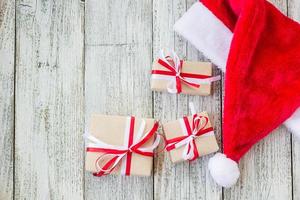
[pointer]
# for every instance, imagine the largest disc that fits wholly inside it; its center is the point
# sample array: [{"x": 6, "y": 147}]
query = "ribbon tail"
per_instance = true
[
  {"x": 171, "y": 87},
  {"x": 140, "y": 131},
  {"x": 178, "y": 85},
  {"x": 213, "y": 79},
  {"x": 109, "y": 166},
  {"x": 186, "y": 153},
  {"x": 195, "y": 151},
  {"x": 183, "y": 142},
  {"x": 196, "y": 85},
  {"x": 152, "y": 147},
  {"x": 107, "y": 169}
]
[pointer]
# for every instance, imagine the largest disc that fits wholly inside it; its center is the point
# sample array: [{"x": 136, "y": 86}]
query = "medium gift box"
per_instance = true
[
  {"x": 176, "y": 76},
  {"x": 120, "y": 145},
  {"x": 190, "y": 137}
]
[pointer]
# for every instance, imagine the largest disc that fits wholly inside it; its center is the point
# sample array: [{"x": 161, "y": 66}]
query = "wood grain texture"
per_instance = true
[
  {"x": 184, "y": 180},
  {"x": 49, "y": 100},
  {"x": 294, "y": 13},
  {"x": 202, "y": 186},
  {"x": 7, "y": 51},
  {"x": 170, "y": 181},
  {"x": 55, "y": 95},
  {"x": 266, "y": 168},
  {"x": 118, "y": 61}
]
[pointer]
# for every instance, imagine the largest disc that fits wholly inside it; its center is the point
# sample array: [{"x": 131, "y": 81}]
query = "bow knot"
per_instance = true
[
  {"x": 198, "y": 129},
  {"x": 193, "y": 136},
  {"x": 175, "y": 76},
  {"x": 129, "y": 149},
  {"x": 174, "y": 64},
  {"x": 117, "y": 153}
]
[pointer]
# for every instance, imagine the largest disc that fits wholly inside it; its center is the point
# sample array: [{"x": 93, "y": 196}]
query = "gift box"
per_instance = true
[
  {"x": 177, "y": 76},
  {"x": 120, "y": 145},
  {"x": 190, "y": 137}
]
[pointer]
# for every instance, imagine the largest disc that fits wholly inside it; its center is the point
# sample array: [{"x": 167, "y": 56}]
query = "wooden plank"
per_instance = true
[
  {"x": 49, "y": 100},
  {"x": 202, "y": 186},
  {"x": 266, "y": 168},
  {"x": 170, "y": 181},
  {"x": 184, "y": 180},
  {"x": 7, "y": 51},
  {"x": 118, "y": 61},
  {"x": 293, "y": 12}
]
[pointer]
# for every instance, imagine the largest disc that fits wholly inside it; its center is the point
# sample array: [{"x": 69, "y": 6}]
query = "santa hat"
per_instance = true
[{"x": 260, "y": 49}]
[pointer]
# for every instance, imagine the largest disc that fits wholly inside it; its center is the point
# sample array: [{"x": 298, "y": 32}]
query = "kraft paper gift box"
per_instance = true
[
  {"x": 110, "y": 130},
  {"x": 205, "y": 143},
  {"x": 197, "y": 68}
]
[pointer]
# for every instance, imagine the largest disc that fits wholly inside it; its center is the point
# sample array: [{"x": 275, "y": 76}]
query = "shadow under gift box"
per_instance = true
[
  {"x": 205, "y": 144},
  {"x": 198, "y": 68},
  {"x": 110, "y": 129}
]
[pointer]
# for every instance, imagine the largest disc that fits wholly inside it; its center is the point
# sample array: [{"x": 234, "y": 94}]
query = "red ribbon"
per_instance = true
[
  {"x": 195, "y": 132},
  {"x": 180, "y": 77},
  {"x": 107, "y": 167}
]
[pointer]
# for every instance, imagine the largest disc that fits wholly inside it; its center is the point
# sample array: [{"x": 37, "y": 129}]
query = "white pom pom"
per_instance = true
[
  {"x": 223, "y": 170},
  {"x": 293, "y": 122}
]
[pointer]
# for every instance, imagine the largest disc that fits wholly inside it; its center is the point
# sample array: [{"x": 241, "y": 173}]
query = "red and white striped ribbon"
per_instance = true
[
  {"x": 175, "y": 76},
  {"x": 112, "y": 155},
  {"x": 190, "y": 134}
]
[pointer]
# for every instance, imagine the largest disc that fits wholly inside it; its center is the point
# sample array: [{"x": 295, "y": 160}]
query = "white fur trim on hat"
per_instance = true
[
  {"x": 293, "y": 123},
  {"x": 223, "y": 170},
  {"x": 206, "y": 32}
]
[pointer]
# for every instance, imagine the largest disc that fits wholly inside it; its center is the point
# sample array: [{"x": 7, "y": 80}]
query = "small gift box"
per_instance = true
[
  {"x": 190, "y": 137},
  {"x": 121, "y": 145},
  {"x": 177, "y": 76}
]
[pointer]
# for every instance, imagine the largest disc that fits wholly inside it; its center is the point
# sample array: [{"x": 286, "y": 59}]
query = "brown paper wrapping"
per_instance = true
[
  {"x": 205, "y": 145},
  {"x": 203, "y": 68},
  {"x": 110, "y": 129}
]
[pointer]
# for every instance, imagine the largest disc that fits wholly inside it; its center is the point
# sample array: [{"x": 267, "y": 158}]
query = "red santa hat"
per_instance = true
[{"x": 259, "y": 48}]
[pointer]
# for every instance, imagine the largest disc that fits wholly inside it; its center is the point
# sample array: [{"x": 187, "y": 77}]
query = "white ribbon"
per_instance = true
[
  {"x": 171, "y": 87},
  {"x": 187, "y": 155},
  {"x": 93, "y": 142}
]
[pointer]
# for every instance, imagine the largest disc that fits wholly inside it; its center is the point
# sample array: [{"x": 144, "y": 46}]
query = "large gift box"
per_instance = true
[
  {"x": 120, "y": 145},
  {"x": 190, "y": 137},
  {"x": 177, "y": 76}
]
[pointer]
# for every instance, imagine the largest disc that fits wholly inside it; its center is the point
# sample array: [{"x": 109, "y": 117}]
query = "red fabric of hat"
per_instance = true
[
  {"x": 263, "y": 71},
  {"x": 262, "y": 78}
]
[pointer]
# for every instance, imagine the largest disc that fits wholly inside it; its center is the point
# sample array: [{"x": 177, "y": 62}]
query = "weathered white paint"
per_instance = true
[
  {"x": 118, "y": 61},
  {"x": 184, "y": 180},
  {"x": 7, "y": 50},
  {"x": 121, "y": 40},
  {"x": 49, "y": 100},
  {"x": 170, "y": 181},
  {"x": 202, "y": 186}
]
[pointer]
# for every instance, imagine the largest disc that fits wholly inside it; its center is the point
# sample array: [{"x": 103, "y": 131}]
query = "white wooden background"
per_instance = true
[{"x": 61, "y": 60}]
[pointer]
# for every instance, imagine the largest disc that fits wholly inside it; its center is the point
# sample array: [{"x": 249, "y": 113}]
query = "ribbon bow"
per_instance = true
[
  {"x": 198, "y": 129},
  {"x": 174, "y": 66},
  {"x": 118, "y": 153}
]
